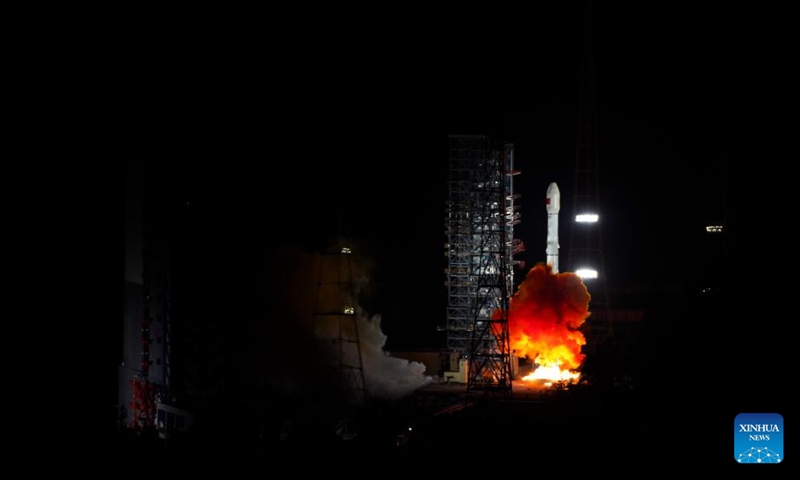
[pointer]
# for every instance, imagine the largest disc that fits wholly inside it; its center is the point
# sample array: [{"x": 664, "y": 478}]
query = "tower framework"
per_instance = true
[
  {"x": 145, "y": 372},
  {"x": 480, "y": 246},
  {"x": 586, "y": 239},
  {"x": 336, "y": 323}
]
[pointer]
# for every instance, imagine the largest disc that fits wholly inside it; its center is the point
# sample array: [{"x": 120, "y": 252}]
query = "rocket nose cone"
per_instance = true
[{"x": 553, "y": 198}]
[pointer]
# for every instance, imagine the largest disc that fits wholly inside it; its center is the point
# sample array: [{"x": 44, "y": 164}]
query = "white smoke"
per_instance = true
[{"x": 386, "y": 376}]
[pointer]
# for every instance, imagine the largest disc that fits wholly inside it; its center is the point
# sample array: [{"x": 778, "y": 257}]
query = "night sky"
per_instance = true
[
  {"x": 279, "y": 135},
  {"x": 344, "y": 129}
]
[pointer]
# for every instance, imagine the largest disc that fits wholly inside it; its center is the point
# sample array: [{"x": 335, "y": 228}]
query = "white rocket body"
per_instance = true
[{"x": 553, "y": 204}]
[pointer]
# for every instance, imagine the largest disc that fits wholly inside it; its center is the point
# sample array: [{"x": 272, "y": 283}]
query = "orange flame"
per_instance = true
[{"x": 543, "y": 320}]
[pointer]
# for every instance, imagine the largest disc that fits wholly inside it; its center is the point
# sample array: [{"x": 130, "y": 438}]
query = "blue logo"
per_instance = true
[{"x": 758, "y": 438}]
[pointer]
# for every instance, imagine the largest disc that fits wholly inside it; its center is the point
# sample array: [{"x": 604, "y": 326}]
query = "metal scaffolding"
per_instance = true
[
  {"x": 586, "y": 239},
  {"x": 151, "y": 383},
  {"x": 143, "y": 404},
  {"x": 147, "y": 393},
  {"x": 480, "y": 220}
]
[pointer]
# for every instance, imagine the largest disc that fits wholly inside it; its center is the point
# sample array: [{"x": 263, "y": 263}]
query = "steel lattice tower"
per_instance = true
[
  {"x": 145, "y": 371},
  {"x": 336, "y": 322},
  {"x": 480, "y": 221},
  {"x": 586, "y": 244}
]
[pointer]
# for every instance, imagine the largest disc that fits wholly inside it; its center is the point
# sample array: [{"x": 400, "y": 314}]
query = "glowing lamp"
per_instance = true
[
  {"x": 586, "y": 273},
  {"x": 587, "y": 218}
]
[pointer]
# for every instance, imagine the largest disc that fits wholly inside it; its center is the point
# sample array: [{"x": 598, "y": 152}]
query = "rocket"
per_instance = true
[{"x": 553, "y": 204}]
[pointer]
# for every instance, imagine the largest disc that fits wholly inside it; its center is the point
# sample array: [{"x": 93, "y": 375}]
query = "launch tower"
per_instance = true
[
  {"x": 481, "y": 215},
  {"x": 145, "y": 370}
]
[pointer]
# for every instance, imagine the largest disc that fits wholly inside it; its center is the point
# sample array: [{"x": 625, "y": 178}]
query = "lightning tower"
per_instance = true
[
  {"x": 336, "y": 323},
  {"x": 586, "y": 256},
  {"x": 480, "y": 246}
]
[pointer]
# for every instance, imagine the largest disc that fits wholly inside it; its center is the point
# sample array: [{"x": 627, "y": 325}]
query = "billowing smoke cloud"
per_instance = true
[
  {"x": 323, "y": 293},
  {"x": 386, "y": 376},
  {"x": 545, "y": 315}
]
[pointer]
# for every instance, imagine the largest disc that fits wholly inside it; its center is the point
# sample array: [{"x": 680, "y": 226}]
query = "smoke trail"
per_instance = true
[{"x": 545, "y": 315}]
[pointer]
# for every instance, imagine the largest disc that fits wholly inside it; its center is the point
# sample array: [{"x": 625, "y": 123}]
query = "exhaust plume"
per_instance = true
[{"x": 544, "y": 319}]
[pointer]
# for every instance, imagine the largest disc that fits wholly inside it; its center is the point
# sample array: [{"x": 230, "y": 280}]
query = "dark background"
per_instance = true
[{"x": 281, "y": 133}]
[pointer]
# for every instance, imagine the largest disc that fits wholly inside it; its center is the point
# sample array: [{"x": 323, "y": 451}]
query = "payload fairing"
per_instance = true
[{"x": 553, "y": 204}]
